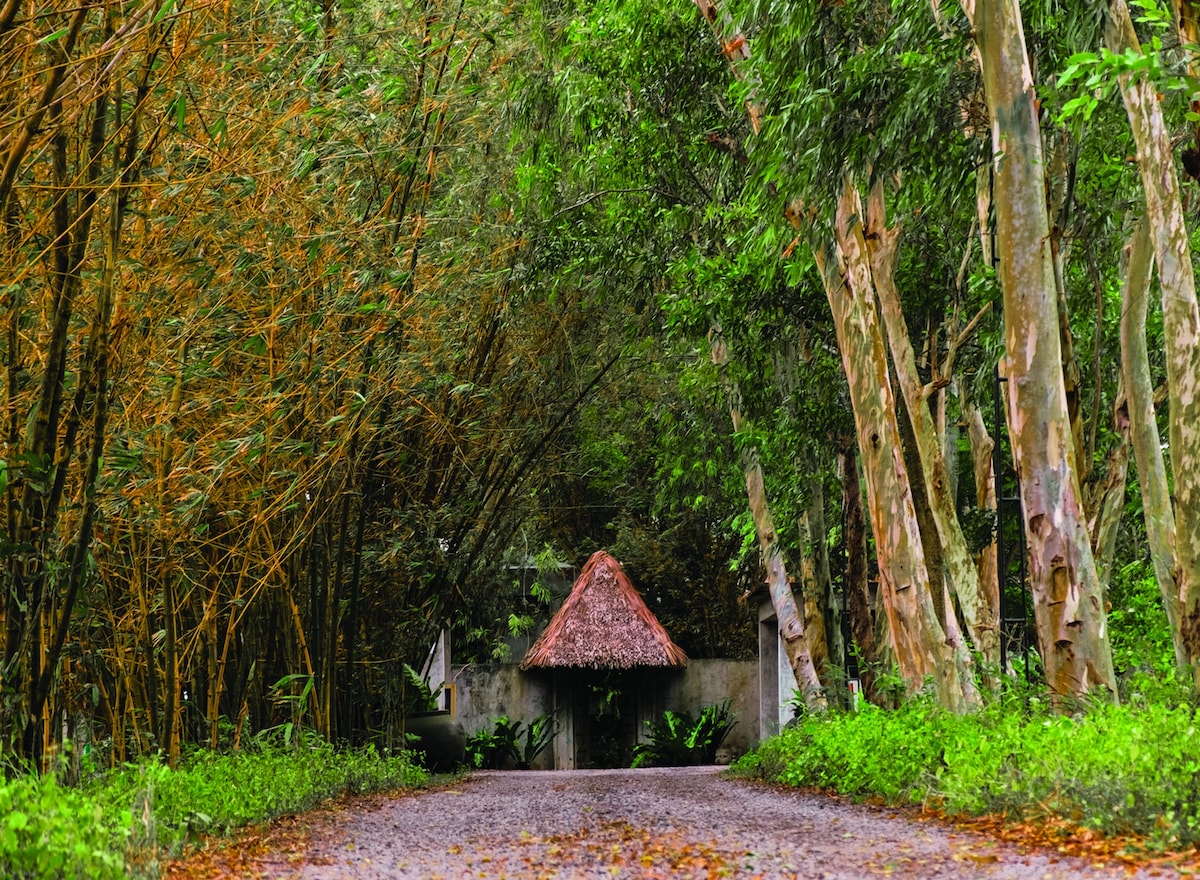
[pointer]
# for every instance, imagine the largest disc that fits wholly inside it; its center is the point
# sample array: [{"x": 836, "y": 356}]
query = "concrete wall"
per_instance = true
[
  {"x": 776, "y": 681},
  {"x": 485, "y": 692},
  {"x": 706, "y": 682}
]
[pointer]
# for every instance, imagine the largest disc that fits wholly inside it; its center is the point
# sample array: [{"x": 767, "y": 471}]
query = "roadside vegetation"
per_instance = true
[
  {"x": 1130, "y": 770},
  {"x": 122, "y": 822},
  {"x": 1127, "y": 770}
]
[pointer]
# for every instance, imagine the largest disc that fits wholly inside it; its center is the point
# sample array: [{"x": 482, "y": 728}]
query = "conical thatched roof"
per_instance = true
[{"x": 604, "y": 624}]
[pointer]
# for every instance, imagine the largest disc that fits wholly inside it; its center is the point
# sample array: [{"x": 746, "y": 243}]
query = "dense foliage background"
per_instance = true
[{"x": 325, "y": 323}]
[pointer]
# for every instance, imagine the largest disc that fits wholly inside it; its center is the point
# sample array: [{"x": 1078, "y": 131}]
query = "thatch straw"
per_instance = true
[{"x": 604, "y": 624}]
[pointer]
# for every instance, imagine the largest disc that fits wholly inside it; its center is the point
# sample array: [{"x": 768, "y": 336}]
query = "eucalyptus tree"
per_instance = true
[
  {"x": 1179, "y": 576},
  {"x": 1110, "y": 150},
  {"x": 1068, "y": 603},
  {"x": 825, "y": 84}
]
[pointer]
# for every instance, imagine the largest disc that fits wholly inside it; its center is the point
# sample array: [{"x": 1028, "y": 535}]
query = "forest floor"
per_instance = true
[{"x": 647, "y": 823}]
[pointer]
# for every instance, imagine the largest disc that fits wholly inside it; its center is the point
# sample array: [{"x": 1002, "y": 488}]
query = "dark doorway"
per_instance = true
[{"x": 606, "y": 718}]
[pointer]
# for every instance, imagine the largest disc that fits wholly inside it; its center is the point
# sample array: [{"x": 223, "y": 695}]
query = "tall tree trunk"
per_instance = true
[
  {"x": 1143, "y": 424},
  {"x": 815, "y": 602},
  {"x": 987, "y": 558},
  {"x": 826, "y": 599},
  {"x": 1181, "y": 322},
  {"x": 792, "y": 629},
  {"x": 1059, "y": 182},
  {"x": 1068, "y": 606},
  {"x": 922, "y": 647},
  {"x": 1108, "y": 497},
  {"x": 981, "y": 624}
]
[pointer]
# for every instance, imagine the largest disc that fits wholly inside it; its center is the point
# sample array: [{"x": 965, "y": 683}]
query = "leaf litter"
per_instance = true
[{"x": 542, "y": 826}]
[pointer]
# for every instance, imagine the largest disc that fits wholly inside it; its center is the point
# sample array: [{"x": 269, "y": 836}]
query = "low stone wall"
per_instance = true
[{"x": 483, "y": 693}]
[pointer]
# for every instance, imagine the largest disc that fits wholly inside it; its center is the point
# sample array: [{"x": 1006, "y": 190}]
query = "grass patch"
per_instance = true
[
  {"x": 122, "y": 822},
  {"x": 1116, "y": 769}
]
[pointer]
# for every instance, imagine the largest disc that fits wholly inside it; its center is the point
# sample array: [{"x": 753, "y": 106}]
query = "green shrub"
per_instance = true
[
  {"x": 212, "y": 793},
  {"x": 120, "y": 822},
  {"x": 1117, "y": 769},
  {"x": 486, "y": 747},
  {"x": 679, "y": 740},
  {"x": 1140, "y": 634},
  {"x": 48, "y": 832}
]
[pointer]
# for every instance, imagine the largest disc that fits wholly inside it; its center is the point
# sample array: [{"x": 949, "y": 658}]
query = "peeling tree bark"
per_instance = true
[
  {"x": 1181, "y": 323},
  {"x": 1068, "y": 606},
  {"x": 882, "y": 242},
  {"x": 922, "y": 647},
  {"x": 1147, "y": 447}
]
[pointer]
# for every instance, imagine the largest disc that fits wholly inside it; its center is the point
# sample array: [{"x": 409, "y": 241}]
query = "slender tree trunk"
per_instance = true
[
  {"x": 922, "y": 647},
  {"x": 981, "y": 624},
  {"x": 170, "y": 732},
  {"x": 987, "y": 558},
  {"x": 1181, "y": 322},
  {"x": 1058, "y": 186},
  {"x": 791, "y": 624},
  {"x": 857, "y": 583},
  {"x": 827, "y": 600},
  {"x": 1068, "y": 606},
  {"x": 1108, "y": 497},
  {"x": 814, "y": 605},
  {"x": 1143, "y": 423},
  {"x": 215, "y": 683}
]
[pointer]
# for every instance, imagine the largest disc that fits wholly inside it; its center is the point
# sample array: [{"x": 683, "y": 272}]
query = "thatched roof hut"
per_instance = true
[{"x": 604, "y": 624}]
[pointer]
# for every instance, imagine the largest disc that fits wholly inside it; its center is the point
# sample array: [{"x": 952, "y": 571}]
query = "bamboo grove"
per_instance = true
[
  {"x": 259, "y": 421},
  {"x": 312, "y": 308}
]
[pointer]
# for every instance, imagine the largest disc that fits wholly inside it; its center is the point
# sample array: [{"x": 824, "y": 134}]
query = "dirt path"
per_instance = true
[{"x": 688, "y": 823}]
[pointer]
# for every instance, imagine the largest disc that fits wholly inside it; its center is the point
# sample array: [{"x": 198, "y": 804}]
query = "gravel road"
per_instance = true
[{"x": 682, "y": 822}]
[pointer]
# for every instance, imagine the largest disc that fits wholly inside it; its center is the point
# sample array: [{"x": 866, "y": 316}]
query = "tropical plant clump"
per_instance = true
[
  {"x": 510, "y": 743},
  {"x": 419, "y": 696},
  {"x": 678, "y": 739}
]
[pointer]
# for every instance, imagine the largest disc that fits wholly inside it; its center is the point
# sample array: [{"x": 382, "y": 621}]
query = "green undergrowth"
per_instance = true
[
  {"x": 1117, "y": 769},
  {"x": 120, "y": 823}
]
